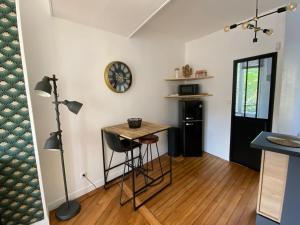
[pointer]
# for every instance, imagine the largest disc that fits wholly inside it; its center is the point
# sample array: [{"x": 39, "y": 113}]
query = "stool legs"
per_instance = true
[
  {"x": 140, "y": 165},
  {"x": 109, "y": 165},
  {"x": 122, "y": 181},
  {"x": 148, "y": 152},
  {"x": 127, "y": 165},
  {"x": 159, "y": 159},
  {"x": 151, "y": 157}
]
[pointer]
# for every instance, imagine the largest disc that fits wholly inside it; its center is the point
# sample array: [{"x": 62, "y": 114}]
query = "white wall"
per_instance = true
[
  {"x": 78, "y": 55},
  {"x": 289, "y": 120},
  {"x": 216, "y": 53}
]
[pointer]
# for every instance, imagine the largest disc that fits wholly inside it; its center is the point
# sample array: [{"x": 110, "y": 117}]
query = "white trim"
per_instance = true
[
  {"x": 149, "y": 18},
  {"x": 42, "y": 222},
  {"x": 82, "y": 191},
  {"x": 46, "y": 216}
]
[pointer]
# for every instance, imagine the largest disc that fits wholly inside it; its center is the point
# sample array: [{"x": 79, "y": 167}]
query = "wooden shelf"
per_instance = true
[
  {"x": 189, "y": 78},
  {"x": 179, "y": 97}
]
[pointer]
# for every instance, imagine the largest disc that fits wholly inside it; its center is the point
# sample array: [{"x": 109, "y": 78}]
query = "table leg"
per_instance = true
[
  {"x": 103, "y": 158},
  {"x": 171, "y": 170},
  {"x": 133, "y": 176}
]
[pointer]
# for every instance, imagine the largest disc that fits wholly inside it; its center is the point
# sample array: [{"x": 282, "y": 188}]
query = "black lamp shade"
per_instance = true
[
  {"x": 43, "y": 88},
  {"x": 282, "y": 9},
  {"x": 73, "y": 106},
  {"x": 52, "y": 143},
  {"x": 233, "y": 26}
]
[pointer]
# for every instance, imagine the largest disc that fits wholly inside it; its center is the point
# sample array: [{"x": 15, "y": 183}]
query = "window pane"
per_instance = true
[
  {"x": 264, "y": 88},
  {"x": 240, "y": 89},
  {"x": 251, "y": 94}
]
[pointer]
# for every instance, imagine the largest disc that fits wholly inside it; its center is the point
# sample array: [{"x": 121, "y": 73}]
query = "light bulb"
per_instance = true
[
  {"x": 292, "y": 6},
  {"x": 268, "y": 31},
  {"x": 227, "y": 28},
  {"x": 245, "y": 25}
]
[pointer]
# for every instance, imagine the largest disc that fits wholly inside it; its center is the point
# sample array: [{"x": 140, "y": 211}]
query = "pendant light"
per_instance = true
[{"x": 252, "y": 24}]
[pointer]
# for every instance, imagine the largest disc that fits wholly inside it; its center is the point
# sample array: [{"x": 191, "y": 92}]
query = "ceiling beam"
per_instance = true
[{"x": 149, "y": 18}]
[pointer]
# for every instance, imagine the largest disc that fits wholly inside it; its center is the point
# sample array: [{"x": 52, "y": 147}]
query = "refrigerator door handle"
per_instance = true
[{"x": 189, "y": 124}]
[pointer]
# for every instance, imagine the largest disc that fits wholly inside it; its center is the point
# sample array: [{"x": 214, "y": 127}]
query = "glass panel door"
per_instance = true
[
  {"x": 253, "y": 83},
  {"x": 252, "y": 106}
]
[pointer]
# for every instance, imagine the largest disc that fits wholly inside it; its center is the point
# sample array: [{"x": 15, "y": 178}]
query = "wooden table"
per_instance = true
[{"x": 124, "y": 131}]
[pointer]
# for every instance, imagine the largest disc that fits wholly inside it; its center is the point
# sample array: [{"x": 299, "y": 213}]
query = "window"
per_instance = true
[{"x": 253, "y": 88}]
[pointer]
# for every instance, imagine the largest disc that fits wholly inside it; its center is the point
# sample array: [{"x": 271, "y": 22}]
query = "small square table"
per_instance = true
[{"x": 124, "y": 131}]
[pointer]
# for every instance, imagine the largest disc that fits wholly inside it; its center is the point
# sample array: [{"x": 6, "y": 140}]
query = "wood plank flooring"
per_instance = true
[{"x": 205, "y": 191}]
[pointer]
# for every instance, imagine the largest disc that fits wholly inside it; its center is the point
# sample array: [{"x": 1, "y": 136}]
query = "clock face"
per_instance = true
[{"x": 118, "y": 77}]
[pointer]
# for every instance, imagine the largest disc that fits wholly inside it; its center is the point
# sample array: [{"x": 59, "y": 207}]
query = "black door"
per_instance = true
[{"x": 252, "y": 106}]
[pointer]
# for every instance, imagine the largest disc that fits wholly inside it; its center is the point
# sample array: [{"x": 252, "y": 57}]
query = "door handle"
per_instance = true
[
  {"x": 189, "y": 118},
  {"x": 189, "y": 124},
  {"x": 200, "y": 106}
]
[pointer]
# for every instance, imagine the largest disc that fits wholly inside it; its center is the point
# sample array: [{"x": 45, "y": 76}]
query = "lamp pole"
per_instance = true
[
  {"x": 68, "y": 209},
  {"x": 56, "y": 103}
]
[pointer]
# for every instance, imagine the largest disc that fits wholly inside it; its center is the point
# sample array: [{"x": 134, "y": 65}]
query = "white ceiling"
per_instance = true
[
  {"x": 191, "y": 19},
  {"x": 122, "y": 17},
  {"x": 185, "y": 19}
]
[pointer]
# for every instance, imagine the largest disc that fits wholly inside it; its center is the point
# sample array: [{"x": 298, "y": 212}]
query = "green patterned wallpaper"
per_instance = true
[{"x": 20, "y": 197}]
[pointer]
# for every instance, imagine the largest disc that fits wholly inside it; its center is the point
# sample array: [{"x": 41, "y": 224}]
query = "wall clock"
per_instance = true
[{"x": 118, "y": 76}]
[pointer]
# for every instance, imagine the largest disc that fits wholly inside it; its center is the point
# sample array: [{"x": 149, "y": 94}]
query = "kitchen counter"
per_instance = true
[
  {"x": 280, "y": 171},
  {"x": 260, "y": 142}
]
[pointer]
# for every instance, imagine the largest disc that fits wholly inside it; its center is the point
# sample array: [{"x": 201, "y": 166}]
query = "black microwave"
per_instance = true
[{"x": 188, "y": 89}]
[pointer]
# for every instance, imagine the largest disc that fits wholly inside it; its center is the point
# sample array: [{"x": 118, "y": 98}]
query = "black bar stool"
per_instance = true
[
  {"x": 148, "y": 141},
  {"x": 122, "y": 146}
]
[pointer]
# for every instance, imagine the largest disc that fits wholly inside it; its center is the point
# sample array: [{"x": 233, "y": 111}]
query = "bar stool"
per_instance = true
[
  {"x": 148, "y": 141},
  {"x": 122, "y": 146}
]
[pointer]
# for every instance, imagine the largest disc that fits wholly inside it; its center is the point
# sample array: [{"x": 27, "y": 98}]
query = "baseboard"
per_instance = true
[
  {"x": 42, "y": 222},
  {"x": 226, "y": 158},
  {"x": 82, "y": 191}
]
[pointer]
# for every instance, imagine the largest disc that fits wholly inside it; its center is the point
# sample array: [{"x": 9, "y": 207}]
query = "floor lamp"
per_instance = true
[{"x": 43, "y": 88}]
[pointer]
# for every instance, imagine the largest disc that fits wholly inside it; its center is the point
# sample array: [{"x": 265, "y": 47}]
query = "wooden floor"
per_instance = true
[{"x": 205, "y": 191}]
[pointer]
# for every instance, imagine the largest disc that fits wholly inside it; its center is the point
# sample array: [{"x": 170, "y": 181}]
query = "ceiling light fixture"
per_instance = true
[{"x": 252, "y": 24}]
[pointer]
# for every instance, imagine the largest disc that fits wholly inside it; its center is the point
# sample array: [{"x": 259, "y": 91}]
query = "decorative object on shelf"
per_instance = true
[
  {"x": 252, "y": 24},
  {"x": 43, "y": 88},
  {"x": 187, "y": 71},
  {"x": 188, "y": 78},
  {"x": 177, "y": 72},
  {"x": 134, "y": 123},
  {"x": 200, "y": 73},
  {"x": 118, "y": 77}
]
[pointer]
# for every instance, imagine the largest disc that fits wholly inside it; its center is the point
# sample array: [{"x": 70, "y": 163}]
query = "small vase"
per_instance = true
[{"x": 177, "y": 73}]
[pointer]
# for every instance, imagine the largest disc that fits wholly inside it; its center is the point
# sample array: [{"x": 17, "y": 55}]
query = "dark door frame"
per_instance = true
[{"x": 274, "y": 56}]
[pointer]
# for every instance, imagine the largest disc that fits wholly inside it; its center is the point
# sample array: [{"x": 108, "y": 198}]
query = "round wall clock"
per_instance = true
[{"x": 118, "y": 76}]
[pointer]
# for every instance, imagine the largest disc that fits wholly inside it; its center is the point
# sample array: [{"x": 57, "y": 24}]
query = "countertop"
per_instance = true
[{"x": 260, "y": 142}]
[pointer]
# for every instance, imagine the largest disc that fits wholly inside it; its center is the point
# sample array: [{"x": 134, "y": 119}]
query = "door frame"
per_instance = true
[{"x": 274, "y": 56}]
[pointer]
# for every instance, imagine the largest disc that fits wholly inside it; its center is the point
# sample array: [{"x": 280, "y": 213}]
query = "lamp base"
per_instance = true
[{"x": 65, "y": 212}]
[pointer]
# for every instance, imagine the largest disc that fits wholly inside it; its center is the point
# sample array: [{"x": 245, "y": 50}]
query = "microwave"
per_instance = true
[{"x": 188, "y": 89}]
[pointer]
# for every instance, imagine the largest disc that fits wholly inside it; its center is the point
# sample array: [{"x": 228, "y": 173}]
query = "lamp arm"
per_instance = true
[
  {"x": 56, "y": 102},
  {"x": 268, "y": 14}
]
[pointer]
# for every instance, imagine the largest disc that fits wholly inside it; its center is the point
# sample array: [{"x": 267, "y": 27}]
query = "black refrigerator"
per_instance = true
[{"x": 191, "y": 127}]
